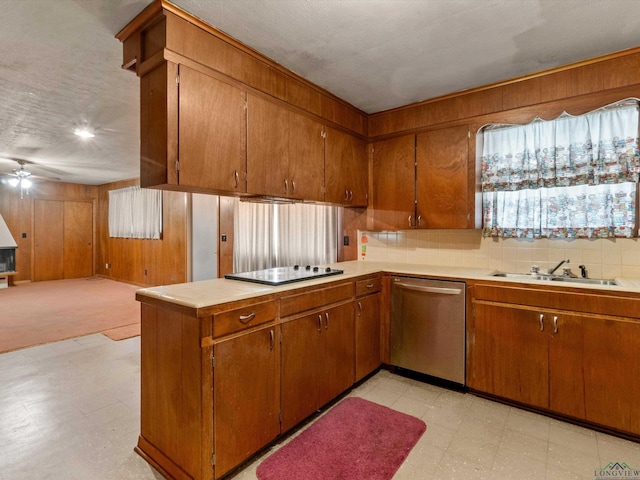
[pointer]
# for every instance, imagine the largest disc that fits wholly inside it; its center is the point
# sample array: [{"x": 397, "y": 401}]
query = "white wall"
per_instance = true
[
  {"x": 204, "y": 237},
  {"x": 603, "y": 258}
]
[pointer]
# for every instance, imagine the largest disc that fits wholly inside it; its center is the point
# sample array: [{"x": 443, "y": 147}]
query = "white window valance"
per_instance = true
[
  {"x": 135, "y": 212},
  {"x": 575, "y": 176}
]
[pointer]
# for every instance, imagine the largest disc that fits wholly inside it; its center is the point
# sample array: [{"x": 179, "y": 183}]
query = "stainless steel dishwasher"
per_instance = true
[{"x": 427, "y": 332}]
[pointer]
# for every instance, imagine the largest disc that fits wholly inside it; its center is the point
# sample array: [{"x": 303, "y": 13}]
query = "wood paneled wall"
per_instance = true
[
  {"x": 575, "y": 88},
  {"x": 19, "y": 215},
  {"x": 141, "y": 262},
  {"x": 145, "y": 262}
]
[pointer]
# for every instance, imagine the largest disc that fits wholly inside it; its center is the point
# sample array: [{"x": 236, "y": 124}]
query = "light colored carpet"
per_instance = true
[{"x": 43, "y": 312}]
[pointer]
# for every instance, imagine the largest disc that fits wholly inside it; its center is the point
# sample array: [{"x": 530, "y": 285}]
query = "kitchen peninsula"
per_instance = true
[{"x": 229, "y": 366}]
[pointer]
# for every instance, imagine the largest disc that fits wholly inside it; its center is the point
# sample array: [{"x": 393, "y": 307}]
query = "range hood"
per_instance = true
[
  {"x": 268, "y": 199},
  {"x": 7, "y": 252},
  {"x": 6, "y": 239}
]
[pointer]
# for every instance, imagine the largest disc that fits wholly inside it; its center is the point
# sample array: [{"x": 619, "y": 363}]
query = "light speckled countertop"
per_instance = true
[{"x": 213, "y": 292}]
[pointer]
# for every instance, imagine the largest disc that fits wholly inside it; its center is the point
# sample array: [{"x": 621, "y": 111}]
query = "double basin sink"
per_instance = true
[{"x": 554, "y": 278}]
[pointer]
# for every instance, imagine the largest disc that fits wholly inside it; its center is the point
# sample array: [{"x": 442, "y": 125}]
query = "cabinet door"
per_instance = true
[
  {"x": 246, "y": 403},
  {"x": 78, "y": 239},
  {"x": 302, "y": 351},
  {"x": 442, "y": 178},
  {"x": 566, "y": 363},
  {"x": 346, "y": 171},
  {"x": 212, "y": 133},
  {"x": 367, "y": 335},
  {"x": 611, "y": 370},
  {"x": 511, "y": 354},
  {"x": 306, "y": 158},
  {"x": 267, "y": 148},
  {"x": 394, "y": 177},
  {"x": 48, "y": 241},
  {"x": 337, "y": 367}
]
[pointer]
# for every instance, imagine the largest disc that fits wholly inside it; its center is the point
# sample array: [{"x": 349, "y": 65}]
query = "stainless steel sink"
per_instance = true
[
  {"x": 554, "y": 278},
  {"x": 523, "y": 276},
  {"x": 591, "y": 281}
]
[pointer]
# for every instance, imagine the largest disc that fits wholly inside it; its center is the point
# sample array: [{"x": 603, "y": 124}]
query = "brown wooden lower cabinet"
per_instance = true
[
  {"x": 368, "y": 318},
  {"x": 246, "y": 396},
  {"x": 511, "y": 355},
  {"x": 317, "y": 361},
  {"x": 574, "y": 363},
  {"x": 221, "y": 382}
]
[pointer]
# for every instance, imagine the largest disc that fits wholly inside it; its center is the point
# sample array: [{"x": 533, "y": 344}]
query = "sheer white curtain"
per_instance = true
[
  {"x": 271, "y": 235},
  {"x": 253, "y": 238},
  {"x": 135, "y": 212},
  {"x": 307, "y": 234}
]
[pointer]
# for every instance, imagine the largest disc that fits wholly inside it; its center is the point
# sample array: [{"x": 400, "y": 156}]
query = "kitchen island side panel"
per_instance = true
[{"x": 174, "y": 422}]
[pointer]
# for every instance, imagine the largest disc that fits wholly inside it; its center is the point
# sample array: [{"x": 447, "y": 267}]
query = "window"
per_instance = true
[
  {"x": 135, "y": 212},
  {"x": 575, "y": 176},
  {"x": 272, "y": 235}
]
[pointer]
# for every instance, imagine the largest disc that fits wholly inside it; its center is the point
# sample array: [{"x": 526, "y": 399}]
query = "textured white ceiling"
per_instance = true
[{"x": 60, "y": 62}]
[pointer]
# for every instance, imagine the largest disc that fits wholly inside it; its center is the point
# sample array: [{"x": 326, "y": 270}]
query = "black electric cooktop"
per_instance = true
[{"x": 284, "y": 275}]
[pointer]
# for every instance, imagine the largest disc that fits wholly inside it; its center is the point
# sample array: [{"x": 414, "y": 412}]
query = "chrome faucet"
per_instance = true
[{"x": 562, "y": 262}]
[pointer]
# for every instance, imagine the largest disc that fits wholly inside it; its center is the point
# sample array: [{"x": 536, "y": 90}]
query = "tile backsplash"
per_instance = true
[{"x": 604, "y": 258}]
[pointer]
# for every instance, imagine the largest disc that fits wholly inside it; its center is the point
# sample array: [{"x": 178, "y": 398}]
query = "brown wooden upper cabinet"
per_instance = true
[
  {"x": 212, "y": 133},
  {"x": 424, "y": 181},
  {"x": 346, "y": 170},
  {"x": 285, "y": 152},
  {"x": 394, "y": 182},
  {"x": 193, "y": 131},
  {"x": 443, "y": 197}
]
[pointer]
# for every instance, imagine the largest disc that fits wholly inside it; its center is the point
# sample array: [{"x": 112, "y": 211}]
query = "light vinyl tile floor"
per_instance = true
[{"x": 70, "y": 411}]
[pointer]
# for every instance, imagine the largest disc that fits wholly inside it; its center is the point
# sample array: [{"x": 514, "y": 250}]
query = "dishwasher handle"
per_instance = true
[{"x": 420, "y": 288}]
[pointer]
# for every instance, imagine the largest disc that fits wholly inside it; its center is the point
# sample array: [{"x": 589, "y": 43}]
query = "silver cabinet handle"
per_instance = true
[
  {"x": 286, "y": 185},
  {"x": 293, "y": 186},
  {"x": 237, "y": 178},
  {"x": 369, "y": 285},
  {"x": 419, "y": 218},
  {"x": 350, "y": 195},
  {"x": 247, "y": 318},
  {"x": 410, "y": 218},
  {"x": 418, "y": 288},
  {"x": 555, "y": 324},
  {"x": 319, "y": 323},
  {"x": 360, "y": 308},
  {"x": 542, "y": 322},
  {"x": 326, "y": 324},
  {"x": 272, "y": 339}
]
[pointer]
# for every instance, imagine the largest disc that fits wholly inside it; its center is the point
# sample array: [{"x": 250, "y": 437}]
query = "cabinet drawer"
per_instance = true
[
  {"x": 321, "y": 297},
  {"x": 561, "y": 298},
  {"x": 244, "y": 317},
  {"x": 368, "y": 285}
]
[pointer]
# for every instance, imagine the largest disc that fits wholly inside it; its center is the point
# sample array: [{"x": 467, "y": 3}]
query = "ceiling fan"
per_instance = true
[
  {"x": 23, "y": 179},
  {"x": 20, "y": 178}
]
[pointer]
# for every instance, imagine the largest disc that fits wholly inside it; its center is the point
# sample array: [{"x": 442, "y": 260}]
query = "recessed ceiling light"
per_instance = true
[{"x": 83, "y": 133}]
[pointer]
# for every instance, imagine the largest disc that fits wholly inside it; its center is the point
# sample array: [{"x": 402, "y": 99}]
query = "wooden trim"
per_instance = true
[
  {"x": 140, "y": 20},
  {"x": 502, "y": 83},
  {"x": 167, "y": 468},
  {"x": 282, "y": 83},
  {"x": 250, "y": 51}
]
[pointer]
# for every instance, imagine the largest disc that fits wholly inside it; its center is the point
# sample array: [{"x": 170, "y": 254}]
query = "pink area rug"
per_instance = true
[{"x": 355, "y": 440}]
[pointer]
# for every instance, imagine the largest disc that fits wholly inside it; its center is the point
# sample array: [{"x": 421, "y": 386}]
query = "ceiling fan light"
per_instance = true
[
  {"x": 83, "y": 133},
  {"x": 25, "y": 183},
  {"x": 14, "y": 182}
]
